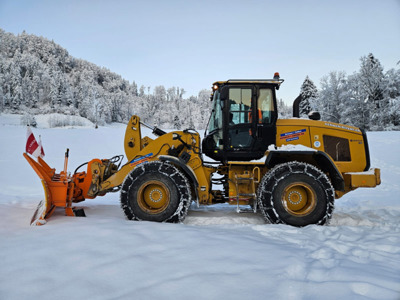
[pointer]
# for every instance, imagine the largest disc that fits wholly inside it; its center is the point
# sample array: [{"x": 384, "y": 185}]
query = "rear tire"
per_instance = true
[
  {"x": 156, "y": 191},
  {"x": 297, "y": 194}
]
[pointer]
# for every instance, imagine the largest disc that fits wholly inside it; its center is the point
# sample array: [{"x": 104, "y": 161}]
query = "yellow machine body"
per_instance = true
[{"x": 61, "y": 190}]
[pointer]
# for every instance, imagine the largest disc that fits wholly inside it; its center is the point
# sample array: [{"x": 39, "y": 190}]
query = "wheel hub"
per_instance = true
[
  {"x": 153, "y": 197},
  {"x": 294, "y": 197},
  {"x": 156, "y": 195},
  {"x": 299, "y": 199}
]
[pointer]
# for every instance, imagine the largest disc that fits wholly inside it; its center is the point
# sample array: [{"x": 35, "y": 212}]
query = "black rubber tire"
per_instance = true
[
  {"x": 169, "y": 179},
  {"x": 306, "y": 184}
]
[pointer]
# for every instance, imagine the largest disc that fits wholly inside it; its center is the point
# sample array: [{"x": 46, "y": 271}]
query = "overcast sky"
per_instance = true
[{"x": 191, "y": 44}]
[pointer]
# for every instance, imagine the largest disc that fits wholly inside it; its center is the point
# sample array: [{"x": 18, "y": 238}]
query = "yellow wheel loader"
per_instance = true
[{"x": 290, "y": 170}]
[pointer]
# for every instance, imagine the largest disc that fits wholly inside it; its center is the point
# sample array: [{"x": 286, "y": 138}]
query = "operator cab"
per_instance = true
[{"x": 243, "y": 119}]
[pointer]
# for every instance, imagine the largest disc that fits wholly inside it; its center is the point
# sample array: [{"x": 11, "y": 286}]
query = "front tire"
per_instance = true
[
  {"x": 296, "y": 194},
  {"x": 156, "y": 191}
]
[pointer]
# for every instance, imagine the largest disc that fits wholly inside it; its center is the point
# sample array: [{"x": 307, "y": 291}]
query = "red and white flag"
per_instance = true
[{"x": 32, "y": 146}]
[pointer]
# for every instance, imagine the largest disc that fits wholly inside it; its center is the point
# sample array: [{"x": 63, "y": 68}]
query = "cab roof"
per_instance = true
[{"x": 276, "y": 82}]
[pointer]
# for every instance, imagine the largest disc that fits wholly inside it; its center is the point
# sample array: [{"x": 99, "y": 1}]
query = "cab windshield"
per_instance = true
[{"x": 216, "y": 114}]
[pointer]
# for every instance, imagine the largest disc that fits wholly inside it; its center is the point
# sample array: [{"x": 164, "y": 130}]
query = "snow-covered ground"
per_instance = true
[{"x": 215, "y": 254}]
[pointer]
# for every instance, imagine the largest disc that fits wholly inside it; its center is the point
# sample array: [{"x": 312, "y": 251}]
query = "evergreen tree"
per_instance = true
[
  {"x": 308, "y": 92},
  {"x": 177, "y": 122},
  {"x": 374, "y": 87},
  {"x": 372, "y": 78},
  {"x": 393, "y": 93}
]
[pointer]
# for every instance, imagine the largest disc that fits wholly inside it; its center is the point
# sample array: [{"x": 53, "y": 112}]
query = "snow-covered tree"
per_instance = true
[
  {"x": 177, "y": 122},
  {"x": 284, "y": 111},
  {"x": 1, "y": 95},
  {"x": 372, "y": 78},
  {"x": 205, "y": 107},
  {"x": 374, "y": 87},
  {"x": 308, "y": 92},
  {"x": 333, "y": 98},
  {"x": 360, "y": 107}
]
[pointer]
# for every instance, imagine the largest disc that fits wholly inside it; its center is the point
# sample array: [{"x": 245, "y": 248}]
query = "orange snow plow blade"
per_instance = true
[{"x": 58, "y": 190}]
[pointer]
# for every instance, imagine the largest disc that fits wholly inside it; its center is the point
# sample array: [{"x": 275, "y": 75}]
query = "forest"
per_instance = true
[
  {"x": 369, "y": 98},
  {"x": 37, "y": 76}
]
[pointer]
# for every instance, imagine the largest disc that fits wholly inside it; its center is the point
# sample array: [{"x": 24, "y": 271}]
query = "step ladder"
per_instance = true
[{"x": 249, "y": 179}]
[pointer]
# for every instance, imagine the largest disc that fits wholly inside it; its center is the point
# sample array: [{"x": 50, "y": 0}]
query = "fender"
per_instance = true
[
  {"x": 317, "y": 158},
  {"x": 185, "y": 168}
]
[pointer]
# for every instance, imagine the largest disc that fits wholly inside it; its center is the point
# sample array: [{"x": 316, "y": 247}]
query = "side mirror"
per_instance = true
[{"x": 314, "y": 115}]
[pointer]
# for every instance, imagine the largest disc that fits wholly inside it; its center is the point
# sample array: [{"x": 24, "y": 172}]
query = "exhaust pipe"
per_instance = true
[{"x": 296, "y": 104}]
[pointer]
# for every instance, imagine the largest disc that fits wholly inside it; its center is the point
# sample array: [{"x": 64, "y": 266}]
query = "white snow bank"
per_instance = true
[
  {"x": 46, "y": 120},
  {"x": 60, "y": 120},
  {"x": 215, "y": 254}
]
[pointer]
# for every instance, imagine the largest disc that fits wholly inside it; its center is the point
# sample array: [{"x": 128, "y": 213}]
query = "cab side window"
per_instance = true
[
  {"x": 265, "y": 106},
  {"x": 240, "y": 105}
]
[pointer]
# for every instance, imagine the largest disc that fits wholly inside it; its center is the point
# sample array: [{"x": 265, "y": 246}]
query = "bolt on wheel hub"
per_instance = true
[{"x": 156, "y": 195}]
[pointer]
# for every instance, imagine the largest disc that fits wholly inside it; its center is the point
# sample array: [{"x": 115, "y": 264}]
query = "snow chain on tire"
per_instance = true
[
  {"x": 165, "y": 169},
  {"x": 270, "y": 197}
]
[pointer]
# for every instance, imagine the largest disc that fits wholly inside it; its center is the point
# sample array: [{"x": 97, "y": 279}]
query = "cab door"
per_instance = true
[
  {"x": 266, "y": 113},
  {"x": 251, "y": 125},
  {"x": 239, "y": 127}
]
